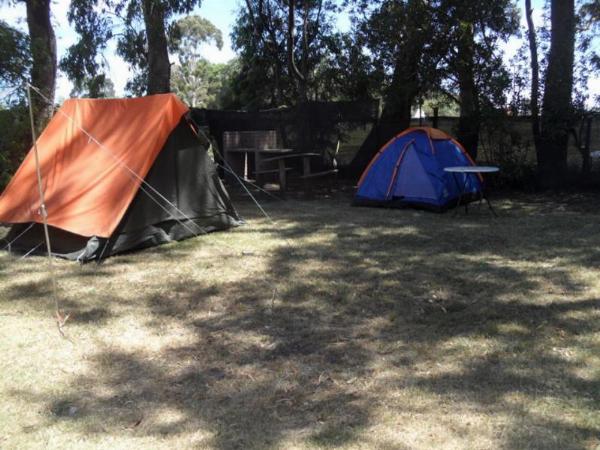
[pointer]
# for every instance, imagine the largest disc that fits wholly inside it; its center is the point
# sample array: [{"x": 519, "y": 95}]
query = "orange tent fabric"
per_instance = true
[
  {"x": 87, "y": 186},
  {"x": 433, "y": 133}
]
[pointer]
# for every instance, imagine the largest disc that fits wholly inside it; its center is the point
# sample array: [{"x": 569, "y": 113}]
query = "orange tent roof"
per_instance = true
[
  {"x": 433, "y": 133},
  {"x": 87, "y": 186}
]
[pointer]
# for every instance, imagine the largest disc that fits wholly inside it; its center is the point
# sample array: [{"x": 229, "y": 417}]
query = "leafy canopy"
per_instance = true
[{"x": 98, "y": 22}]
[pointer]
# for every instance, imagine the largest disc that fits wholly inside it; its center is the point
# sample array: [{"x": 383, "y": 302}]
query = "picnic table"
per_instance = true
[
  {"x": 462, "y": 187},
  {"x": 243, "y": 150},
  {"x": 251, "y": 166},
  {"x": 282, "y": 169},
  {"x": 262, "y": 156}
]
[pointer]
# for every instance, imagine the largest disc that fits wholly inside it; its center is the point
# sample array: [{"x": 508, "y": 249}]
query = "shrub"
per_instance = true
[
  {"x": 15, "y": 140},
  {"x": 505, "y": 142}
]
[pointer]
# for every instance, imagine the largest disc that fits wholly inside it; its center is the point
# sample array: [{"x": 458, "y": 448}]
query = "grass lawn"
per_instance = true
[{"x": 334, "y": 327}]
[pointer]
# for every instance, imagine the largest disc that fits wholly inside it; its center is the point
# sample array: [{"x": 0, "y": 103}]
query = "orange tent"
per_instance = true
[{"x": 94, "y": 155}]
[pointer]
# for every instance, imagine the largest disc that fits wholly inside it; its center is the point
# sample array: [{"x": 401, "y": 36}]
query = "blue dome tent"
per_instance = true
[{"x": 409, "y": 171}]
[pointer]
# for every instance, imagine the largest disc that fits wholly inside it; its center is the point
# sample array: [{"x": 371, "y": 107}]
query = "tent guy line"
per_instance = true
[
  {"x": 241, "y": 180},
  {"x": 227, "y": 167},
  {"x": 12, "y": 241},
  {"x": 143, "y": 182},
  {"x": 132, "y": 173},
  {"x": 144, "y": 187}
]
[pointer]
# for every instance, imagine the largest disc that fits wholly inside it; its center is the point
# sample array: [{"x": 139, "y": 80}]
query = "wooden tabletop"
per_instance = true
[
  {"x": 288, "y": 155},
  {"x": 258, "y": 150}
]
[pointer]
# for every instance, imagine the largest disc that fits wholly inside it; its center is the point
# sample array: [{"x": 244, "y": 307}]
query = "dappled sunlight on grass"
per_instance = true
[{"x": 332, "y": 327}]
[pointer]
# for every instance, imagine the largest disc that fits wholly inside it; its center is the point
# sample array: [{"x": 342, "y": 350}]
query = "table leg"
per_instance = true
[
  {"x": 306, "y": 165},
  {"x": 257, "y": 167},
  {"x": 454, "y": 176},
  {"x": 236, "y": 163},
  {"x": 464, "y": 192},
  {"x": 282, "y": 179},
  {"x": 484, "y": 194}
]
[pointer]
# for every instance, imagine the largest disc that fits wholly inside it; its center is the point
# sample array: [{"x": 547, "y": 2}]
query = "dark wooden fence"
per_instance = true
[
  {"x": 317, "y": 126},
  {"x": 312, "y": 126}
]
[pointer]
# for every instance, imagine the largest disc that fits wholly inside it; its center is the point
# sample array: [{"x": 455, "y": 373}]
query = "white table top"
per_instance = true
[{"x": 472, "y": 169}]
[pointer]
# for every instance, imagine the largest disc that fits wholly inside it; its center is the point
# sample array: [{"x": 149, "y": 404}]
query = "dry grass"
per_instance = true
[{"x": 338, "y": 327}]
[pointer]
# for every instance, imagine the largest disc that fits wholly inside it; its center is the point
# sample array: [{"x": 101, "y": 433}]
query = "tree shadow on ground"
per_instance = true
[{"x": 358, "y": 313}]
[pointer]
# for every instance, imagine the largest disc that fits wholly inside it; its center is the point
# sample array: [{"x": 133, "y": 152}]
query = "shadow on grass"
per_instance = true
[{"x": 362, "y": 307}]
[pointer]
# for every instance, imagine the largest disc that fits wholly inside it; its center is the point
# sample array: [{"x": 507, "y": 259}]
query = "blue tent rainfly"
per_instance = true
[{"x": 409, "y": 171}]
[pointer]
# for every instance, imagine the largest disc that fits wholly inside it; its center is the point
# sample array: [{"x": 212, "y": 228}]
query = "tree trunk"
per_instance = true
[
  {"x": 396, "y": 113},
  {"x": 159, "y": 67},
  {"x": 469, "y": 120},
  {"x": 43, "y": 52},
  {"x": 584, "y": 145},
  {"x": 535, "y": 78},
  {"x": 556, "y": 105}
]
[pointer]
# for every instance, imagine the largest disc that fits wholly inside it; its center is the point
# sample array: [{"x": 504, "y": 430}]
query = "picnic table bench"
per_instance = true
[{"x": 262, "y": 155}]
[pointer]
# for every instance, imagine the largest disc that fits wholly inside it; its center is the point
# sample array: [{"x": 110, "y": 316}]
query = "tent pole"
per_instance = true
[{"x": 43, "y": 210}]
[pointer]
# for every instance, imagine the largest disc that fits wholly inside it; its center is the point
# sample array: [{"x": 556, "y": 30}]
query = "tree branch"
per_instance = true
[{"x": 290, "y": 41}]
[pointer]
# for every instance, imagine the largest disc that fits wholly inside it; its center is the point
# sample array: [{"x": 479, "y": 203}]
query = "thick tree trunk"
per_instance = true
[
  {"x": 469, "y": 120},
  {"x": 159, "y": 67},
  {"x": 43, "y": 52},
  {"x": 556, "y": 105},
  {"x": 396, "y": 113}
]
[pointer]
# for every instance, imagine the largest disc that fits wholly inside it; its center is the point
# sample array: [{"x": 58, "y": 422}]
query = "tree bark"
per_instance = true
[
  {"x": 556, "y": 104},
  {"x": 535, "y": 78},
  {"x": 159, "y": 67},
  {"x": 396, "y": 113},
  {"x": 43, "y": 52},
  {"x": 585, "y": 138},
  {"x": 469, "y": 120}
]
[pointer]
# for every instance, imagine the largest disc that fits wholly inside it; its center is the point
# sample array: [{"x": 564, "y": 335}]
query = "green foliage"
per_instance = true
[
  {"x": 348, "y": 73},
  {"x": 519, "y": 93},
  {"x": 202, "y": 84},
  {"x": 482, "y": 25},
  {"x": 418, "y": 44},
  {"x": 15, "y": 139},
  {"x": 507, "y": 143},
  {"x": 194, "y": 79},
  {"x": 260, "y": 36},
  {"x": 403, "y": 48},
  {"x": 587, "y": 60},
  {"x": 99, "y": 86},
  {"x": 187, "y": 35},
  {"x": 15, "y": 62},
  {"x": 99, "y": 21},
  {"x": 445, "y": 105},
  {"x": 82, "y": 63}
]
